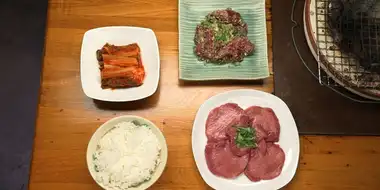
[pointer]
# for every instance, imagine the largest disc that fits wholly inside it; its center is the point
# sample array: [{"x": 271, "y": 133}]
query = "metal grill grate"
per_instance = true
[{"x": 349, "y": 49}]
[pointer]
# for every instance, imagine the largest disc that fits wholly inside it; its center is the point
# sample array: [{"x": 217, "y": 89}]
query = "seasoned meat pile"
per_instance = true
[
  {"x": 222, "y": 38},
  {"x": 227, "y": 127}
]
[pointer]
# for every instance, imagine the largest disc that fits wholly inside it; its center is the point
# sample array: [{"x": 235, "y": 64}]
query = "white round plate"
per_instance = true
[
  {"x": 103, "y": 129},
  {"x": 289, "y": 140}
]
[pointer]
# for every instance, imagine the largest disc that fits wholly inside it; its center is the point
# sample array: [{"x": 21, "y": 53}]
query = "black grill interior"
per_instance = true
[{"x": 355, "y": 29}]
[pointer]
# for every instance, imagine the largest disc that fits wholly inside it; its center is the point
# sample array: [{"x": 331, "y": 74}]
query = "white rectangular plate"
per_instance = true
[{"x": 289, "y": 140}]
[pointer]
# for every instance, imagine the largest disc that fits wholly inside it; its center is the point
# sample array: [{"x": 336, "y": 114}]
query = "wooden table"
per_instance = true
[{"x": 67, "y": 118}]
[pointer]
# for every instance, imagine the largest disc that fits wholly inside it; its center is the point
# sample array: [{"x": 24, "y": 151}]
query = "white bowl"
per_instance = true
[
  {"x": 119, "y": 35},
  {"x": 103, "y": 129},
  {"x": 289, "y": 140}
]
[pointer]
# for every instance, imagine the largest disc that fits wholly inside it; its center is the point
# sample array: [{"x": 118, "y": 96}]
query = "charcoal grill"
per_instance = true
[{"x": 353, "y": 62}]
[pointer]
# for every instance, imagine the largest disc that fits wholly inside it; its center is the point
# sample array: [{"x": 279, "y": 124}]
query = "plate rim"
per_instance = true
[
  {"x": 291, "y": 172},
  {"x": 126, "y": 98}
]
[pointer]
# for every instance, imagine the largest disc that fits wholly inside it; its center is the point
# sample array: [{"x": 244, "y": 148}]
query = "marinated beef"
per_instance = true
[
  {"x": 222, "y": 38},
  {"x": 227, "y": 16},
  {"x": 265, "y": 162},
  {"x": 222, "y": 162},
  {"x": 205, "y": 46},
  {"x": 236, "y": 49},
  {"x": 266, "y": 123}
]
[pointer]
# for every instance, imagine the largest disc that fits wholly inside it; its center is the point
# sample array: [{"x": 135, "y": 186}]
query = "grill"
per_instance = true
[{"x": 348, "y": 42}]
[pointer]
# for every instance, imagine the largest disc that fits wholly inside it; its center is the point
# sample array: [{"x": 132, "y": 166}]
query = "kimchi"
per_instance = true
[{"x": 120, "y": 66}]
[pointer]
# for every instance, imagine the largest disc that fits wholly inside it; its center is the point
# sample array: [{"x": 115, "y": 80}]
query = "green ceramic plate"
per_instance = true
[{"x": 191, "y": 12}]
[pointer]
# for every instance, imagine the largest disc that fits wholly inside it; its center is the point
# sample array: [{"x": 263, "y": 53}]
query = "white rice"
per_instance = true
[{"x": 126, "y": 156}]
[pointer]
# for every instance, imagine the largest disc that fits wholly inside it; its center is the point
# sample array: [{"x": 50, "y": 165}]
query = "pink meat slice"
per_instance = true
[
  {"x": 266, "y": 162},
  {"x": 261, "y": 134},
  {"x": 222, "y": 162},
  {"x": 221, "y": 118},
  {"x": 244, "y": 121},
  {"x": 238, "y": 151},
  {"x": 265, "y": 121}
]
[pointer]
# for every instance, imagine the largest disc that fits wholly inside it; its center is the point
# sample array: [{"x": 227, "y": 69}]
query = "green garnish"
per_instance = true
[
  {"x": 96, "y": 168},
  {"x": 137, "y": 123},
  {"x": 245, "y": 137},
  {"x": 223, "y": 32}
]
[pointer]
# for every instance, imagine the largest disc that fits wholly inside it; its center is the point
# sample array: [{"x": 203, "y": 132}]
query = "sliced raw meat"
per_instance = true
[
  {"x": 265, "y": 121},
  {"x": 222, "y": 162},
  {"x": 231, "y": 132},
  {"x": 261, "y": 134},
  {"x": 266, "y": 162},
  {"x": 238, "y": 151},
  {"x": 222, "y": 117}
]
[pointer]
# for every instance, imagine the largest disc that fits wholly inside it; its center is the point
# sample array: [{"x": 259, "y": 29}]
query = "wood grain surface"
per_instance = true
[{"x": 67, "y": 118}]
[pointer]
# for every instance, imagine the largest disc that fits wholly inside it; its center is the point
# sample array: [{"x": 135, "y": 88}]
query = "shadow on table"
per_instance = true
[{"x": 145, "y": 103}]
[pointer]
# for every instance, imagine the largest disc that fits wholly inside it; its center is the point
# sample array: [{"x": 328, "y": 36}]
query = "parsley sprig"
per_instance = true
[{"x": 245, "y": 137}]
